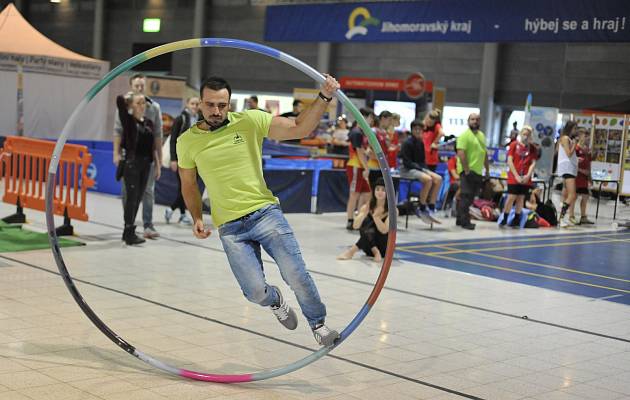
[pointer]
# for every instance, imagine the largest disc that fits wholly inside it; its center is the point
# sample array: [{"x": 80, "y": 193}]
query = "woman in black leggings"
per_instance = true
[{"x": 139, "y": 151}]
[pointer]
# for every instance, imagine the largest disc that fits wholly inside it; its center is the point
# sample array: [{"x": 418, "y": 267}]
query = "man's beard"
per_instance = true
[
  {"x": 215, "y": 122},
  {"x": 473, "y": 127}
]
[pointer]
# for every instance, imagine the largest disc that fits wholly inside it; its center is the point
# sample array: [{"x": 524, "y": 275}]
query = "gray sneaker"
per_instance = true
[
  {"x": 150, "y": 233},
  {"x": 283, "y": 312},
  {"x": 324, "y": 335}
]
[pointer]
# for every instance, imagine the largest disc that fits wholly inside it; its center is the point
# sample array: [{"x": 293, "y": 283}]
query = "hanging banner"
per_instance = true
[
  {"x": 451, "y": 21},
  {"x": 543, "y": 121}
]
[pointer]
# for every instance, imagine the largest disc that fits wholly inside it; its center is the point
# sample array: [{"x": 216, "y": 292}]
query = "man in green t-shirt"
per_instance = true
[
  {"x": 225, "y": 148},
  {"x": 471, "y": 159}
]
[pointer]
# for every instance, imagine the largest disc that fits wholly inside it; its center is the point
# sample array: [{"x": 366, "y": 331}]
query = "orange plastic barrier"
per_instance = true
[{"x": 26, "y": 162}]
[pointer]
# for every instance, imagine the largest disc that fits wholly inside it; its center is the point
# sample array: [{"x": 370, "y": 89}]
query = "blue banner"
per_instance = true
[{"x": 452, "y": 21}]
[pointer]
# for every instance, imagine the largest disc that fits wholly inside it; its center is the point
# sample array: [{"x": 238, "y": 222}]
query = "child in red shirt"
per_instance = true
[
  {"x": 522, "y": 156},
  {"x": 583, "y": 179}
]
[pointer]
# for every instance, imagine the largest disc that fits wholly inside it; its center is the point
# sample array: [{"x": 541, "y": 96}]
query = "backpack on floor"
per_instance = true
[
  {"x": 532, "y": 221},
  {"x": 548, "y": 212}
]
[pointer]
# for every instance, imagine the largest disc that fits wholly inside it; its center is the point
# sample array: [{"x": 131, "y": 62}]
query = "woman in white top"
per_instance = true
[{"x": 567, "y": 169}]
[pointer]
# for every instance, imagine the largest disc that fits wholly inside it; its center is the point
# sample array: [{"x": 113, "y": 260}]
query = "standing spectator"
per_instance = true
[
  {"x": 152, "y": 112},
  {"x": 138, "y": 142},
  {"x": 414, "y": 167},
  {"x": 513, "y": 134},
  {"x": 473, "y": 157},
  {"x": 339, "y": 139},
  {"x": 583, "y": 179},
  {"x": 297, "y": 109},
  {"x": 453, "y": 187},
  {"x": 252, "y": 103},
  {"x": 181, "y": 124},
  {"x": 522, "y": 156},
  {"x": 373, "y": 225},
  {"x": 293, "y": 114},
  {"x": 567, "y": 169},
  {"x": 357, "y": 169},
  {"x": 433, "y": 133},
  {"x": 384, "y": 121},
  {"x": 394, "y": 142}
]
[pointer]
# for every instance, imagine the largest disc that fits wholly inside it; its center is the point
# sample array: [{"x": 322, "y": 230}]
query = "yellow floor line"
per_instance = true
[
  {"x": 529, "y": 246},
  {"x": 480, "y": 253}
]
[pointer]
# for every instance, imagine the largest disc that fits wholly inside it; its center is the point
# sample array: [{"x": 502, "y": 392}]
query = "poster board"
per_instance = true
[
  {"x": 543, "y": 121},
  {"x": 607, "y": 141},
  {"x": 584, "y": 121}
]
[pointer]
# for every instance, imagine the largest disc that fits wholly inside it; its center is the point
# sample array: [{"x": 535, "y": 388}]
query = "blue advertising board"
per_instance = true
[{"x": 452, "y": 21}]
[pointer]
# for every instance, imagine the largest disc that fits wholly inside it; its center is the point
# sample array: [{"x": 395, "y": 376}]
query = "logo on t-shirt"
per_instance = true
[{"x": 238, "y": 139}]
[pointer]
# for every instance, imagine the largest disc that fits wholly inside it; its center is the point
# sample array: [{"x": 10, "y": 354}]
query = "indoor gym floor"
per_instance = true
[{"x": 511, "y": 314}]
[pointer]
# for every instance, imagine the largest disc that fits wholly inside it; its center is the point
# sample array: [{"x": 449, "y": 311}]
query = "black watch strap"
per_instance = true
[{"x": 326, "y": 99}]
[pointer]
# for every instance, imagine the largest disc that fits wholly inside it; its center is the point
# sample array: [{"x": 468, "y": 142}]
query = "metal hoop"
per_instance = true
[{"x": 270, "y": 52}]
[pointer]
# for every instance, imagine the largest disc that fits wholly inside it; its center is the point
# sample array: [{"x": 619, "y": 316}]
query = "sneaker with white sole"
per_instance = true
[
  {"x": 150, "y": 233},
  {"x": 284, "y": 312},
  {"x": 168, "y": 213},
  {"x": 324, "y": 335},
  {"x": 185, "y": 219},
  {"x": 564, "y": 222}
]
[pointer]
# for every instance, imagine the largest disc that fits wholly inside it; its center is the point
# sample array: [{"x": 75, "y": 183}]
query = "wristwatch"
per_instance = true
[{"x": 326, "y": 99}]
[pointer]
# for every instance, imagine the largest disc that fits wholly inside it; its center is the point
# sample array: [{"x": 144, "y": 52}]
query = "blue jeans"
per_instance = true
[{"x": 242, "y": 240}]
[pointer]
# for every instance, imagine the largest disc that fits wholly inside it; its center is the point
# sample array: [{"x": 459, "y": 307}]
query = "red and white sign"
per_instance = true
[
  {"x": 371, "y": 83},
  {"x": 414, "y": 85}
]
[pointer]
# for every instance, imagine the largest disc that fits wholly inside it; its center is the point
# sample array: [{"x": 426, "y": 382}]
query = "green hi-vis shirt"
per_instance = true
[
  {"x": 229, "y": 160},
  {"x": 474, "y": 145}
]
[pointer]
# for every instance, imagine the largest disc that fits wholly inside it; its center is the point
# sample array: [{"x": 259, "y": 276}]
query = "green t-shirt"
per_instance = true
[
  {"x": 474, "y": 145},
  {"x": 229, "y": 160}
]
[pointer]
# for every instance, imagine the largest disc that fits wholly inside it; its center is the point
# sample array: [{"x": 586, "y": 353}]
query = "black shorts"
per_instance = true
[
  {"x": 582, "y": 190},
  {"x": 568, "y": 176},
  {"x": 432, "y": 168},
  {"x": 518, "y": 189}
]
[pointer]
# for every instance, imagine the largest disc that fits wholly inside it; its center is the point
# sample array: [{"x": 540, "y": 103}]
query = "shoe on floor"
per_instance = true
[
  {"x": 585, "y": 221},
  {"x": 469, "y": 226},
  {"x": 423, "y": 215},
  {"x": 130, "y": 238},
  {"x": 185, "y": 219},
  {"x": 284, "y": 312},
  {"x": 349, "y": 225},
  {"x": 564, "y": 222},
  {"x": 168, "y": 213},
  {"x": 150, "y": 233},
  {"x": 324, "y": 335}
]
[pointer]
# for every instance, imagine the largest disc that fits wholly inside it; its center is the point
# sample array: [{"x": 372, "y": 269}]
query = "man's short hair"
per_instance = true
[
  {"x": 385, "y": 114},
  {"x": 136, "y": 76},
  {"x": 254, "y": 97},
  {"x": 417, "y": 122},
  {"x": 296, "y": 102},
  {"x": 215, "y": 83}
]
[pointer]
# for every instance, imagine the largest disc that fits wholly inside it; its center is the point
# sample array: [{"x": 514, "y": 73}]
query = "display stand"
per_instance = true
[{"x": 625, "y": 160}]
